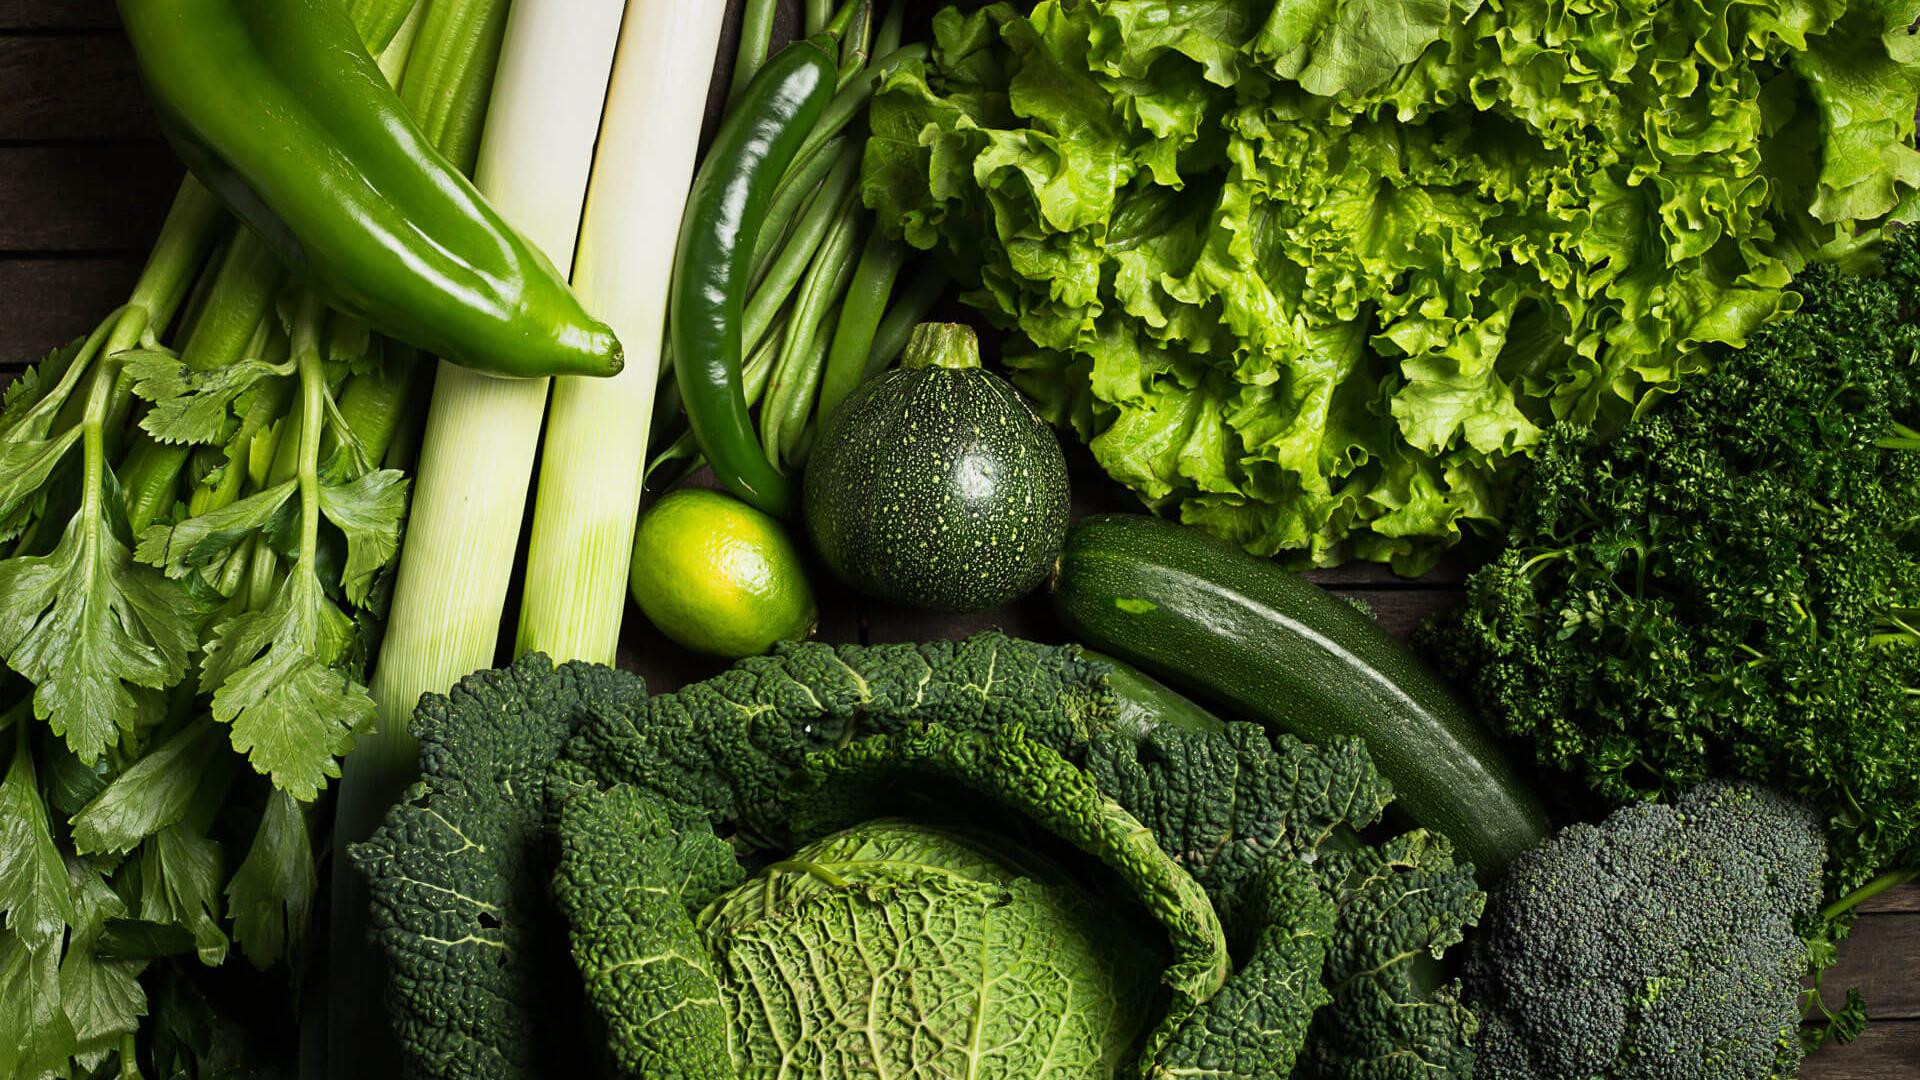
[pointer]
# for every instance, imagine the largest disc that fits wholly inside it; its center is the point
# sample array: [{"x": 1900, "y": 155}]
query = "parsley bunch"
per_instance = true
[{"x": 1730, "y": 585}]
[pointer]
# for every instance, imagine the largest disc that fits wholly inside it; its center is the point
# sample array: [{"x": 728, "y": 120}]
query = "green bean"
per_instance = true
[
  {"x": 759, "y": 367},
  {"x": 793, "y": 422},
  {"x": 892, "y": 28},
  {"x": 860, "y": 316},
  {"x": 819, "y": 13},
  {"x": 843, "y": 19},
  {"x": 809, "y": 235},
  {"x": 784, "y": 212},
  {"x": 921, "y": 294},
  {"x": 756, "y": 42},
  {"x": 803, "y": 353},
  {"x": 856, "y": 48},
  {"x": 851, "y": 102}
]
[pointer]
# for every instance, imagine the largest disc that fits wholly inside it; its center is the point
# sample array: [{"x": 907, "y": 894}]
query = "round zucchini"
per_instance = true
[
  {"x": 1254, "y": 638},
  {"x": 936, "y": 485}
]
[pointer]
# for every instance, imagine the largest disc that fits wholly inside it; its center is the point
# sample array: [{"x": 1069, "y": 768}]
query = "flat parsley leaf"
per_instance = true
[
  {"x": 180, "y": 872},
  {"x": 33, "y": 880},
  {"x": 270, "y": 898},
  {"x": 36, "y": 1039},
  {"x": 101, "y": 996},
  {"x": 153, "y": 793}
]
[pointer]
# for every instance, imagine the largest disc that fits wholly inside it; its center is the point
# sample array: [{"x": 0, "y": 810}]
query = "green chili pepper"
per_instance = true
[
  {"x": 277, "y": 107},
  {"x": 724, "y": 215}
]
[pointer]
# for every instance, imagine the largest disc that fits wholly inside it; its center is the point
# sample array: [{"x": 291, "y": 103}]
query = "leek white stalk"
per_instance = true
[
  {"x": 595, "y": 451},
  {"x": 476, "y": 459}
]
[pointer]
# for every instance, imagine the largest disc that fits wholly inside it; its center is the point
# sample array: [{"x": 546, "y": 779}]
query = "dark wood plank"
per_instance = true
[
  {"x": 1885, "y": 1052},
  {"x": 71, "y": 88},
  {"x": 48, "y": 302},
  {"x": 57, "y": 14},
  {"x": 1881, "y": 959},
  {"x": 1904, "y": 900},
  {"x": 84, "y": 197}
]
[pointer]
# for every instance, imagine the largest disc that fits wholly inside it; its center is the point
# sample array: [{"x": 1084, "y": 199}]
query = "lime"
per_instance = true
[{"x": 719, "y": 576}]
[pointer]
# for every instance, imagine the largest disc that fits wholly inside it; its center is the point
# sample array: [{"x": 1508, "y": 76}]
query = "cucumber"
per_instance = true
[
  {"x": 1253, "y": 638},
  {"x": 1144, "y": 704}
]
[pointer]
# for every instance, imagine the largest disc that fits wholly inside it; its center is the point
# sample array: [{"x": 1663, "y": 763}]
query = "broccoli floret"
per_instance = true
[{"x": 1664, "y": 942}]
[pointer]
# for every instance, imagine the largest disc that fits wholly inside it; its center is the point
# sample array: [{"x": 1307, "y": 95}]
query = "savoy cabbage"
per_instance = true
[{"x": 952, "y": 859}]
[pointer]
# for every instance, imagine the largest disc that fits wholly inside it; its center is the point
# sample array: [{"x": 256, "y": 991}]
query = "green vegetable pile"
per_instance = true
[
  {"x": 1318, "y": 279},
  {"x": 955, "y": 858},
  {"x": 1728, "y": 586},
  {"x": 1664, "y": 942}
]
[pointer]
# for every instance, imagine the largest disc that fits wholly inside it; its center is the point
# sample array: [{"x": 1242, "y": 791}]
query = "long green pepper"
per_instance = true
[
  {"x": 725, "y": 214},
  {"x": 276, "y": 105}
]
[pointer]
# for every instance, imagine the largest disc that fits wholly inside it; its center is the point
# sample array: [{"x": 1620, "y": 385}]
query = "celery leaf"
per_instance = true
[
  {"x": 89, "y": 627},
  {"x": 200, "y": 541},
  {"x": 368, "y": 510},
  {"x": 275, "y": 677},
  {"x": 192, "y": 406}
]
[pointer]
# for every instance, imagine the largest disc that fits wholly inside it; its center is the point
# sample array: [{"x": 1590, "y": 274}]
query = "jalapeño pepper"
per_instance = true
[{"x": 278, "y": 108}]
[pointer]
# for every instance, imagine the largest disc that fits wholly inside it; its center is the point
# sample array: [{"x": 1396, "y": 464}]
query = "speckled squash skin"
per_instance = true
[{"x": 936, "y": 485}]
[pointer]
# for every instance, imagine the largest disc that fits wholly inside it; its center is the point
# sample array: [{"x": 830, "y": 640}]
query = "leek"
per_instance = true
[
  {"x": 458, "y": 47},
  {"x": 476, "y": 457},
  {"x": 592, "y": 469}
]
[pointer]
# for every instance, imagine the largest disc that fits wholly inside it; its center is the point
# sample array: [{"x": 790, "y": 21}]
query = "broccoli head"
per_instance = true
[{"x": 1663, "y": 942}]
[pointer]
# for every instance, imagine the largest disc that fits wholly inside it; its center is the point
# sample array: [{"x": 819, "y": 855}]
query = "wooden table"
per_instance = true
[{"x": 84, "y": 181}]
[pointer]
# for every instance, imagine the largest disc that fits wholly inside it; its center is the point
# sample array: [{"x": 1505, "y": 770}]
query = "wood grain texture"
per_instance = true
[
  {"x": 62, "y": 15},
  {"x": 82, "y": 189},
  {"x": 71, "y": 87},
  {"x": 1878, "y": 961},
  {"x": 46, "y": 302},
  {"x": 84, "y": 197}
]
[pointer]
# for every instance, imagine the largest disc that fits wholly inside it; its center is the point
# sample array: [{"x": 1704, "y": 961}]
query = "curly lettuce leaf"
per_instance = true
[{"x": 1316, "y": 277}]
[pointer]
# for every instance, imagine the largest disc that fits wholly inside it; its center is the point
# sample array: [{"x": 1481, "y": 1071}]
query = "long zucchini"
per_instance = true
[{"x": 1251, "y": 637}]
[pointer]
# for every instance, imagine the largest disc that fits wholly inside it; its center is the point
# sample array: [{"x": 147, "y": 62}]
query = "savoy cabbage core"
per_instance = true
[{"x": 897, "y": 948}]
